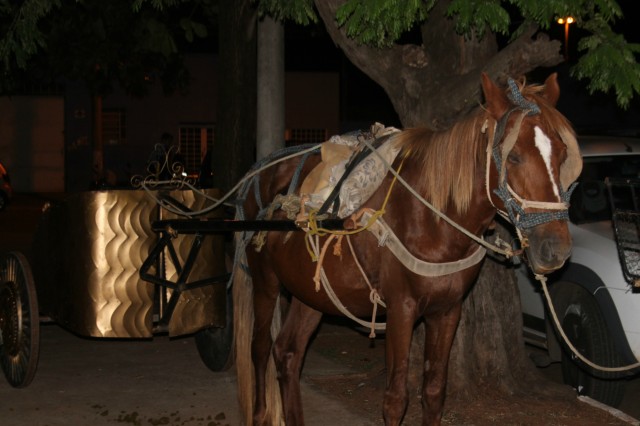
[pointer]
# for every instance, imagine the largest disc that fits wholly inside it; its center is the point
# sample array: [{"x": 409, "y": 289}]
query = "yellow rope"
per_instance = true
[{"x": 314, "y": 231}]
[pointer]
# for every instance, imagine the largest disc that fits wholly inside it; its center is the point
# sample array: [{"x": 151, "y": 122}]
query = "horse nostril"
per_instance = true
[
  {"x": 547, "y": 253},
  {"x": 553, "y": 251}
]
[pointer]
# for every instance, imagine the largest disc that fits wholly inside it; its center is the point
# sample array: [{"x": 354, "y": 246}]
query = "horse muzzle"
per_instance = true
[{"x": 548, "y": 248}]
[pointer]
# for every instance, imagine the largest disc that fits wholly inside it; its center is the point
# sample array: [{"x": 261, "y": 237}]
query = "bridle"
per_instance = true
[{"x": 515, "y": 206}]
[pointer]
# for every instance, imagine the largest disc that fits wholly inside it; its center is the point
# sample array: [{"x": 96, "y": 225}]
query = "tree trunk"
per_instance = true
[
  {"x": 271, "y": 119},
  {"x": 489, "y": 345},
  {"x": 433, "y": 82},
  {"x": 234, "y": 146}
]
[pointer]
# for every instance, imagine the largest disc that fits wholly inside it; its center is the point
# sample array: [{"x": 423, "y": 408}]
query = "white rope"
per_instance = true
[
  {"x": 218, "y": 202},
  {"x": 543, "y": 281},
  {"x": 334, "y": 298},
  {"x": 221, "y": 200},
  {"x": 504, "y": 251},
  {"x": 529, "y": 204},
  {"x": 324, "y": 280}
]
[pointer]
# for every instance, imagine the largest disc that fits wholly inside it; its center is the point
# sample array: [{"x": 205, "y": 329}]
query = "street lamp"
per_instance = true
[{"x": 566, "y": 21}]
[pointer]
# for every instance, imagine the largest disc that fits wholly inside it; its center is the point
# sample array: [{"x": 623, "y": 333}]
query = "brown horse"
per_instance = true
[{"x": 516, "y": 155}]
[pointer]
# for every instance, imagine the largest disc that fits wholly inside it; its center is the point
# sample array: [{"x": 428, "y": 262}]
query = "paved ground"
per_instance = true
[
  {"x": 158, "y": 382},
  {"x": 82, "y": 381},
  {"x": 162, "y": 381}
]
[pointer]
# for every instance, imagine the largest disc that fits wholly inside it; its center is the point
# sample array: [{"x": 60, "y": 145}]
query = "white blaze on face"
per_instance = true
[{"x": 543, "y": 143}]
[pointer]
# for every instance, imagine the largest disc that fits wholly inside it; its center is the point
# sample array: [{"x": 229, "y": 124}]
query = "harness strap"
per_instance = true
[
  {"x": 296, "y": 175},
  {"x": 386, "y": 237},
  {"x": 508, "y": 143},
  {"x": 333, "y": 198}
]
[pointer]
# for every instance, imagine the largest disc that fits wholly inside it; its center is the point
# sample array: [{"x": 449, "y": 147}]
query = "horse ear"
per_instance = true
[
  {"x": 551, "y": 89},
  {"x": 495, "y": 98}
]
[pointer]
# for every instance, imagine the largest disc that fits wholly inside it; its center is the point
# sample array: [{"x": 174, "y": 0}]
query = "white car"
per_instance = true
[{"x": 596, "y": 303}]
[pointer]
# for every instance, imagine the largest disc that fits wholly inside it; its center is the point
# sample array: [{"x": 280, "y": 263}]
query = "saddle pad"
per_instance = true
[{"x": 362, "y": 182}]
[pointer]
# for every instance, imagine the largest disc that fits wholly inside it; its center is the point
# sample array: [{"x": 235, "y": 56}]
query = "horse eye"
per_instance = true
[{"x": 514, "y": 158}]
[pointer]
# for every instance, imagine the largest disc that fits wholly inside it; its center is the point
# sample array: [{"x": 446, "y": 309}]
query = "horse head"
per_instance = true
[{"x": 533, "y": 161}]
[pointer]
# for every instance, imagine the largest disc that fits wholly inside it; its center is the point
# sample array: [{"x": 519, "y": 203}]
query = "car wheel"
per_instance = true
[{"x": 584, "y": 325}]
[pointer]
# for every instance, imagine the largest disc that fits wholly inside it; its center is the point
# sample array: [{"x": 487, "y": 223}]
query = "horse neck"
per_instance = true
[{"x": 478, "y": 214}]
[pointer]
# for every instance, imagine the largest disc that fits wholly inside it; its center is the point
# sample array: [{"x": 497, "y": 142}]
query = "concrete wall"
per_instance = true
[
  {"x": 32, "y": 142},
  {"x": 149, "y": 117},
  {"x": 47, "y": 143}
]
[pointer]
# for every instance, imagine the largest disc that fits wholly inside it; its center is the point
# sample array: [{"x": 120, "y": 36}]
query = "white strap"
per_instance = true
[{"x": 386, "y": 237}]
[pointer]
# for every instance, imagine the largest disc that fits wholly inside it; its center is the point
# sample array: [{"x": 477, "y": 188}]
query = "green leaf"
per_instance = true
[
  {"x": 479, "y": 16},
  {"x": 380, "y": 22},
  {"x": 609, "y": 63},
  {"x": 299, "y": 11}
]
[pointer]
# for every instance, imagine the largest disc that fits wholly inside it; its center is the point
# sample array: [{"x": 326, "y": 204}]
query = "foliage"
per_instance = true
[
  {"x": 611, "y": 62},
  {"x": 19, "y": 25},
  {"x": 99, "y": 42},
  {"x": 478, "y": 16},
  {"x": 380, "y": 22},
  {"x": 607, "y": 61},
  {"x": 299, "y": 11}
]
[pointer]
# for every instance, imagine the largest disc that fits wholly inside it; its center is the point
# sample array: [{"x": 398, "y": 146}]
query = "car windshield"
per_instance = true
[{"x": 590, "y": 202}]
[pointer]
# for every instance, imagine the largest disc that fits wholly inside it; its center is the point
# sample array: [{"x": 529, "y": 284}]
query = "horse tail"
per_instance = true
[
  {"x": 274, "y": 402},
  {"x": 243, "y": 318},
  {"x": 242, "y": 293}
]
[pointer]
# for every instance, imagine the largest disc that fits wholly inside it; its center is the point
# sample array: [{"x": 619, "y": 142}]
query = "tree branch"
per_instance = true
[
  {"x": 372, "y": 61},
  {"x": 461, "y": 93},
  {"x": 529, "y": 51},
  {"x": 445, "y": 69}
]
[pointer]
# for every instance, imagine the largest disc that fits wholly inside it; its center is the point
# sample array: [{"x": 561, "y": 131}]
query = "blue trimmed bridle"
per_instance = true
[{"x": 514, "y": 204}]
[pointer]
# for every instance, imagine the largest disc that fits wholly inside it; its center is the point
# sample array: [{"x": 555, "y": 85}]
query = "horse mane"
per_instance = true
[{"x": 449, "y": 159}]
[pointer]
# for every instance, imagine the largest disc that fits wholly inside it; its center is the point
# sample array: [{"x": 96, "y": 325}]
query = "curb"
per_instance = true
[{"x": 613, "y": 411}]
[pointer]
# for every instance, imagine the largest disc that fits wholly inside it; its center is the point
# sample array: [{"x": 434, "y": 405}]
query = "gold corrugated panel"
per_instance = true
[
  {"x": 100, "y": 240},
  {"x": 87, "y": 255}
]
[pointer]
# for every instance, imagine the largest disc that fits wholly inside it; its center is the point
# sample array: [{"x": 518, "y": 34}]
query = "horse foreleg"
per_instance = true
[
  {"x": 288, "y": 352},
  {"x": 265, "y": 297},
  {"x": 398, "y": 342},
  {"x": 440, "y": 331}
]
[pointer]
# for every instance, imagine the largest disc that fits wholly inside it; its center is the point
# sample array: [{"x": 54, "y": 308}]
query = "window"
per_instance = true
[
  {"x": 114, "y": 126},
  {"x": 195, "y": 140},
  {"x": 303, "y": 136}
]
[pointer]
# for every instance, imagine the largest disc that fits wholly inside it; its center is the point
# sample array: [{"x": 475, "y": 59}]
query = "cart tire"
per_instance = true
[
  {"x": 215, "y": 344},
  {"x": 584, "y": 325},
  {"x": 19, "y": 321}
]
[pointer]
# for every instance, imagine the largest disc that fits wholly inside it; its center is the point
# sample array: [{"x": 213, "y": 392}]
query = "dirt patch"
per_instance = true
[{"x": 363, "y": 391}]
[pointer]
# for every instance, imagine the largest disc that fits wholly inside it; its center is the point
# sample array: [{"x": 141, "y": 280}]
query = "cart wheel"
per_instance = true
[
  {"x": 215, "y": 345},
  {"x": 19, "y": 320}
]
